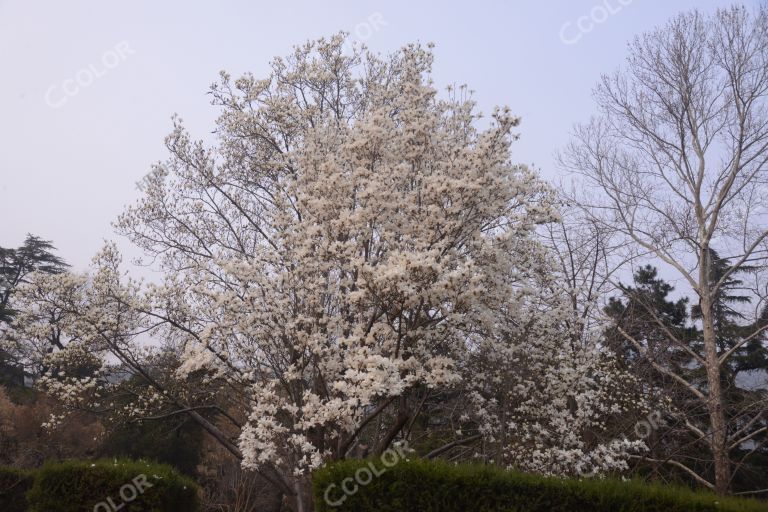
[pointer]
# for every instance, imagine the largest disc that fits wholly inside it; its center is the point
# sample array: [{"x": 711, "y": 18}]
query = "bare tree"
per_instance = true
[
  {"x": 678, "y": 156},
  {"x": 587, "y": 256}
]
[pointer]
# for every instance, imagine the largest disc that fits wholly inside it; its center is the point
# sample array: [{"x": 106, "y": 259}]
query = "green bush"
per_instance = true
[
  {"x": 102, "y": 486},
  {"x": 423, "y": 486},
  {"x": 14, "y": 484},
  {"x": 162, "y": 441}
]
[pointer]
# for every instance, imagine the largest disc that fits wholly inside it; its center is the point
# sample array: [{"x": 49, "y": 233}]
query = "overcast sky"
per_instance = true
[{"x": 89, "y": 87}]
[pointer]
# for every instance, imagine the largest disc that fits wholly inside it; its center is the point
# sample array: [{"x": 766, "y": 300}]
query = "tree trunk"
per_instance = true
[
  {"x": 715, "y": 404},
  {"x": 302, "y": 500}
]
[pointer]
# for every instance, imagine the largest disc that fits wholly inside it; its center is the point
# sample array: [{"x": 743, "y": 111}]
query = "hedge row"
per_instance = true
[
  {"x": 422, "y": 486},
  {"x": 101, "y": 486},
  {"x": 14, "y": 484}
]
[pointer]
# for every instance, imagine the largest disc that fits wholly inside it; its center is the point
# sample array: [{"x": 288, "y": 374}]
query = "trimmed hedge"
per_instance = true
[
  {"x": 424, "y": 486},
  {"x": 101, "y": 486},
  {"x": 14, "y": 485}
]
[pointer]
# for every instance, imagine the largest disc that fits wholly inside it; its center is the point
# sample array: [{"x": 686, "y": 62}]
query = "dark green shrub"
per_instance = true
[
  {"x": 103, "y": 486},
  {"x": 179, "y": 446},
  {"x": 14, "y": 484},
  {"x": 422, "y": 486}
]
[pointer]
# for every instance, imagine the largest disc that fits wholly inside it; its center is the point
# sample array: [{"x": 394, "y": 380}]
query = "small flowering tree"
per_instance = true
[
  {"x": 352, "y": 244},
  {"x": 544, "y": 397},
  {"x": 569, "y": 413}
]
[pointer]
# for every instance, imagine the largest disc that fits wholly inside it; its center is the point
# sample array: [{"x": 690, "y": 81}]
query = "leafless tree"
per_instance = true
[
  {"x": 676, "y": 164},
  {"x": 587, "y": 257}
]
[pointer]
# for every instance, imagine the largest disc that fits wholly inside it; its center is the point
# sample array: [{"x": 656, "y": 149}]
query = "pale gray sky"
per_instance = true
[{"x": 89, "y": 86}]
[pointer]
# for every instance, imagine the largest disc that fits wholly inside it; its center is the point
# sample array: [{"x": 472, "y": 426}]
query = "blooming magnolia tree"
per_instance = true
[
  {"x": 545, "y": 397},
  {"x": 352, "y": 244}
]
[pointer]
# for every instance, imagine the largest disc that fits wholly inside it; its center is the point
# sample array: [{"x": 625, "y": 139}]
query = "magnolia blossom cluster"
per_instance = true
[
  {"x": 543, "y": 396},
  {"x": 572, "y": 420}
]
